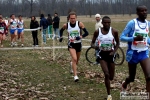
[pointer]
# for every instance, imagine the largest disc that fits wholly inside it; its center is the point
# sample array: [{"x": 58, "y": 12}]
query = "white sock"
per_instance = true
[{"x": 109, "y": 95}]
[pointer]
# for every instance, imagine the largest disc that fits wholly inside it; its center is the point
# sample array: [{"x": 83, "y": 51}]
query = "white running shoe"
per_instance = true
[
  {"x": 22, "y": 45},
  {"x": 76, "y": 78},
  {"x": 71, "y": 70},
  {"x": 109, "y": 97},
  {"x": 15, "y": 44},
  {"x": 12, "y": 44}
]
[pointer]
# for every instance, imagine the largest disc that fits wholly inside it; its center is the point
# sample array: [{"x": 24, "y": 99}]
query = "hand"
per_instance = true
[
  {"x": 78, "y": 38},
  {"x": 112, "y": 53},
  {"x": 138, "y": 38},
  {"x": 40, "y": 29},
  {"x": 96, "y": 47},
  {"x": 60, "y": 39}
]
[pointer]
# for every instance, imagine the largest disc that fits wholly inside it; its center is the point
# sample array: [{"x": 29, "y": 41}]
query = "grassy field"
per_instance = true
[{"x": 34, "y": 75}]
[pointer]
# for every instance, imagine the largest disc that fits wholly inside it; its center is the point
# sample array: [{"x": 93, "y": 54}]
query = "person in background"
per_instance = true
[
  {"x": 49, "y": 19},
  {"x": 21, "y": 25},
  {"x": 33, "y": 25},
  {"x": 3, "y": 31},
  {"x": 97, "y": 26},
  {"x": 6, "y": 22},
  {"x": 43, "y": 25},
  {"x": 56, "y": 20},
  {"x": 13, "y": 30}
]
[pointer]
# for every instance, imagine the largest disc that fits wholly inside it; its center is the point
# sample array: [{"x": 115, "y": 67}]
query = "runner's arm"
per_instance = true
[
  {"x": 116, "y": 37},
  {"x": 128, "y": 30},
  {"x": 81, "y": 25},
  {"x": 62, "y": 30},
  {"x": 94, "y": 39}
]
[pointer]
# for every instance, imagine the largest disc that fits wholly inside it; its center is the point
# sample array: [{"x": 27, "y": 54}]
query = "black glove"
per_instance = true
[
  {"x": 96, "y": 47},
  {"x": 60, "y": 39},
  {"x": 78, "y": 38},
  {"x": 138, "y": 38},
  {"x": 11, "y": 22}
]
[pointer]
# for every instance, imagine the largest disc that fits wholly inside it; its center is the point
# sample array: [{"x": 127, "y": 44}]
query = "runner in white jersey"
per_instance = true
[
  {"x": 21, "y": 25},
  {"x": 106, "y": 37},
  {"x": 13, "y": 30},
  {"x": 73, "y": 28},
  {"x": 136, "y": 35}
]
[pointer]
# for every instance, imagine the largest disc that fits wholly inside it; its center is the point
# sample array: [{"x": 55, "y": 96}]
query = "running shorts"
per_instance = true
[
  {"x": 76, "y": 46},
  {"x": 12, "y": 31},
  {"x": 20, "y": 30}
]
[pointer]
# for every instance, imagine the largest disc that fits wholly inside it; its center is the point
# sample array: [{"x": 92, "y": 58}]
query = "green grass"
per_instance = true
[{"x": 32, "y": 74}]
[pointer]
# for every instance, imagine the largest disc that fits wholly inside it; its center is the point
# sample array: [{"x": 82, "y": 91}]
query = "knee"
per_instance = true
[
  {"x": 106, "y": 75},
  {"x": 75, "y": 60}
]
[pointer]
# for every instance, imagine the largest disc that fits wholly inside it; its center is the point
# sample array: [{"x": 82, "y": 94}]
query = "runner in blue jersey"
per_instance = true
[{"x": 136, "y": 35}]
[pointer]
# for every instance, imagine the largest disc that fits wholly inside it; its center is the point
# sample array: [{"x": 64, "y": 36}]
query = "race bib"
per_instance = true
[
  {"x": 73, "y": 35},
  {"x": 1, "y": 29},
  {"x": 140, "y": 44},
  {"x": 14, "y": 25},
  {"x": 106, "y": 45},
  {"x": 20, "y": 26}
]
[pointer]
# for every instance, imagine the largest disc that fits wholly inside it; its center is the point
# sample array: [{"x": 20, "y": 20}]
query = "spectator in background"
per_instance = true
[
  {"x": 43, "y": 25},
  {"x": 34, "y": 24},
  {"x": 98, "y": 21},
  {"x": 97, "y": 26},
  {"x": 56, "y": 20},
  {"x": 49, "y": 19}
]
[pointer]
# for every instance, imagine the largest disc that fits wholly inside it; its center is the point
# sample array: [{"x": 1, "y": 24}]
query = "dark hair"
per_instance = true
[
  {"x": 19, "y": 16},
  {"x": 12, "y": 15},
  {"x": 34, "y": 17},
  {"x": 72, "y": 13},
  {"x": 139, "y": 7},
  {"x": 105, "y": 17},
  {"x": 42, "y": 15},
  {"x": 49, "y": 14},
  {"x": 56, "y": 13}
]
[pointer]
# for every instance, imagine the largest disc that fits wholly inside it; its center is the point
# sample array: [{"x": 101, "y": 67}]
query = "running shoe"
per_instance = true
[
  {"x": 22, "y": 45},
  {"x": 122, "y": 88},
  {"x": 109, "y": 97},
  {"x": 76, "y": 78},
  {"x": 12, "y": 44}
]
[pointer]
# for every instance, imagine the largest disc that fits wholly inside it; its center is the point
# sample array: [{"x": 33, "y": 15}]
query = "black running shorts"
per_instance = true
[{"x": 76, "y": 46}]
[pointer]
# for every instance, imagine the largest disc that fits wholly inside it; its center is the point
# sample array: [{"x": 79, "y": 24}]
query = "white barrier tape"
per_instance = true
[{"x": 32, "y": 29}]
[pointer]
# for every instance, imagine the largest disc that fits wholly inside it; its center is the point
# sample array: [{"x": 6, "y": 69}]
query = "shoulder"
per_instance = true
[
  {"x": 131, "y": 22},
  {"x": 114, "y": 30}
]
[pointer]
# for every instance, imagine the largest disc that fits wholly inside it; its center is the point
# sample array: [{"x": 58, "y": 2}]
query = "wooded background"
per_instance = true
[{"x": 28, "y": 8}]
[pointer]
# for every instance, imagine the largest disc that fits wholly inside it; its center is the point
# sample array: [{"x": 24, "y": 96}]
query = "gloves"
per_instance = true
[
  {"x": 60, "y": 39},
  {"x": 78, "y": 38},
  {"x": 138, "y": 38}
]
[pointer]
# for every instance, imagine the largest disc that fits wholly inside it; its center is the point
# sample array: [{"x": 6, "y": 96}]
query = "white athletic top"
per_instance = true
[
  {"x": 73, "y": 33},
  {"x": 106, "y": 42},
  {"x": 14, "y": 24},
  {"x": 20, "y": 24},
  {"x": 98, "y": 25},
  {"x": 6, "y": 22},
  {"x": 1, "y": 29},
  {"x": 140, "y": 29}
]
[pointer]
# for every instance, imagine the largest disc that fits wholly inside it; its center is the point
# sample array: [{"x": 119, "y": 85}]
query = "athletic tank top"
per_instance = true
[
  {"x": 2, "y": 28},
  {"x": 106, "y": 42},
  {"x": 73, "y": 32},
  {"x": 140, "y": 29},
  {"x": 20, "y": 24},
  {"x": 13, "y": 24}
]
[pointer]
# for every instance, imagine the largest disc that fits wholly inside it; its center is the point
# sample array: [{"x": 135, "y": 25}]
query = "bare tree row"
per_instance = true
[{"x": 62, "y": 7}]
